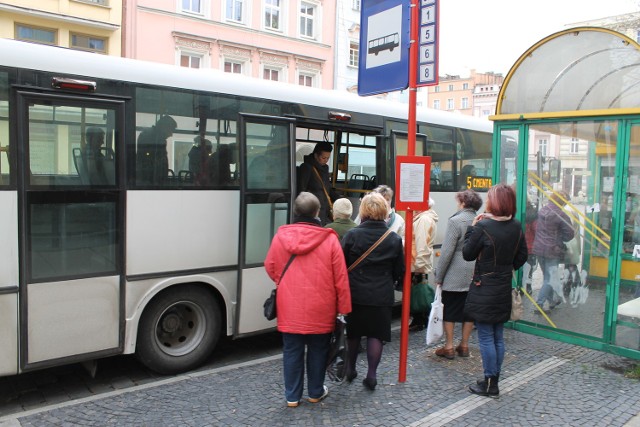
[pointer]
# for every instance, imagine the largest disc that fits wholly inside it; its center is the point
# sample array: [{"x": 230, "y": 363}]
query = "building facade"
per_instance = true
[
  {"x": 91, "y": 25},
  {"x": 476, "y": 95},
  {"x": 280, "y": 40}
]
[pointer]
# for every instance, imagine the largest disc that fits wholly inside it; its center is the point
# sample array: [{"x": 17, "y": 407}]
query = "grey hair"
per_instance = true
[{"x": 306, "y": 204}]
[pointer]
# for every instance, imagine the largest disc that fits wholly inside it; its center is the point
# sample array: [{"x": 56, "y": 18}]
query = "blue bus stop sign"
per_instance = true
[{"x": 384, "y": 46}]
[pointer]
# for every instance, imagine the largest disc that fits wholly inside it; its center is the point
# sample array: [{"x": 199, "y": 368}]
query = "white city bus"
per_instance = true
[{"x": 159, "y": 249}]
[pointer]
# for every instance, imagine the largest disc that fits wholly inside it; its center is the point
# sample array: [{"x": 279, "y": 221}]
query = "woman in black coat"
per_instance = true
[
  {"x": 496, "y": 242},
  {"x": 372, "y": 284}
]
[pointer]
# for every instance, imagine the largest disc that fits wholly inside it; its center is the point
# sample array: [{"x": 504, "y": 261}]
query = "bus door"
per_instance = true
[
  {"x": 70, "y": 227},
  {"x": 266, "y": 155}
]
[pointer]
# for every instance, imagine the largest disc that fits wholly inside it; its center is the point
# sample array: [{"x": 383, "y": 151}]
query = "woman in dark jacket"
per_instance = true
[
  {"x": 497, "y": 243},
  {"x": 372, "y": 284}
]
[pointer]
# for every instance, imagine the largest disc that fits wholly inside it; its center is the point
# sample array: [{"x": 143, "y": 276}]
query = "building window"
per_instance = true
[
  {"x": 436, "y": 104},
  {"x": 271, "y": 74},
  {"x": 190, "y": 61},
  {"x": 574, "y": 148},
  {"x": 233, "y": 67},
  {"x": 450, "y": 104},
  {"x": 486, "y": 113},
  {"x": 34, "y": 34},
  {"x": 307, "y": 17},
  {"x": 355, "y": 5},
  {"x": 436, "y": 89},
  {"x": 90, "y": 43},
  {"x": 450, "y": 88},
  {"x": 354, "y": 48},
  {"x": 192, "y": 6},
  {"x": 272, "y": 11},
  {"x": 235, "y": 10},
  {"x": 465, "y": 103},
  {"x": 305, "y": 80},
  {"x": 543, "y": 147},
  {"x": 465, "y": 86}
]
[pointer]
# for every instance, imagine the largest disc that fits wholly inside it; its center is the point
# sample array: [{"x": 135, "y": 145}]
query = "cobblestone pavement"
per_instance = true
[{"x": 543, "y": 382}]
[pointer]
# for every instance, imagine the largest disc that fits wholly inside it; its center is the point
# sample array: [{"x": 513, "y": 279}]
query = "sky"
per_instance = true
[{"x": 490, "y": 35}]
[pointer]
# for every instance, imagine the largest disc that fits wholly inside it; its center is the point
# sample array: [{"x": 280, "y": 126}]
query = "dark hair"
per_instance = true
[
  {"x": 469, "y": 199},
  {"x": 322, "y": 147},
  {"x": 306, "y": 204},
  {"x": 501, "y": 200}
]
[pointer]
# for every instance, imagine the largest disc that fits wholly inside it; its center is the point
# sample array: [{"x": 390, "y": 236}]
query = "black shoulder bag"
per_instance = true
[{"x": 269, "y": 305}]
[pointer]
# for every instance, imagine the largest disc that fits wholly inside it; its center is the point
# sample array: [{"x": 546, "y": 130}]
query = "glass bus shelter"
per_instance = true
[{"x": 568, "y": 120}]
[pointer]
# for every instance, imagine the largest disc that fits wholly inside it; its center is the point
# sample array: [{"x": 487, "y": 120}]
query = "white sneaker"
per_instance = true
[{"x": 325, "y": 393}]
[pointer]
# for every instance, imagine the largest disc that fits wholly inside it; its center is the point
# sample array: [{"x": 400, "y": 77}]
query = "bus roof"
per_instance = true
[{"x": 91, "y": 65}]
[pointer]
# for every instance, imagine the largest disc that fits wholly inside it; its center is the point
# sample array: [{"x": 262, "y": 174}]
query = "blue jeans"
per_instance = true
[
  {"x": 491, "y": 340},
  {"x": 293, "y": 360},
  {"x": 549, "y": 268}
]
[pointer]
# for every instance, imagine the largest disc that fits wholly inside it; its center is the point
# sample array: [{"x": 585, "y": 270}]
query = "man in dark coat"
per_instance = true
[
  {"x": 152, "y": 160},
  {"x": 313, "y": 176}
]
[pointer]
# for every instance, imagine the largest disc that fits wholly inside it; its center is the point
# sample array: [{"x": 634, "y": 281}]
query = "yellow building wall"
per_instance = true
[{"x": 66, "y": 17}]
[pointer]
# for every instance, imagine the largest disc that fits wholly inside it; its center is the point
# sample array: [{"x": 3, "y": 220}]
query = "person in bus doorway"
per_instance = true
[
  {"x": 372, "y": 278},
  {"x": 342, "y": 222},
  {"x": 422, "y": 255},
  {"x": 152, "y": 160},
  {"x": 553, "y": 229},
  {"x": 454, "y": 274},
  {"x": 313, "y": 176},
  {"x": 93, "y": 157},
  {"x": 496, "y": 242},
  {"x": 312, "y": 291}
]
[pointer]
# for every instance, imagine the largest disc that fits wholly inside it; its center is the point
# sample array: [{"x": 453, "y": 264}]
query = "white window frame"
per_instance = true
[
  {"x": 436, "y": 89},
  {"x": 242, "y": 64},
  {"x": 574, "y": 146},
  {"x": 436, "y": 104},
  {"x": 464, "y": 103},
  {"x": 191, "y": 54},
  {"x": 450, "y": 104},
  {"x": 355, "y": 5},
  {"x": 281, "y": 9},
  {"x": 465, "y": 86},
  {"x": 306, "y": 74},
  {"x": 316, "y": 22},
  {"x": 354, "y": 54},
  {"x": 204, "y": 7},
  {"x": 450, "y": 88},
  {"x": 244, "y": 11},
  {"x": 281, "y": 72},
  {"x": 543, "y": 146}
]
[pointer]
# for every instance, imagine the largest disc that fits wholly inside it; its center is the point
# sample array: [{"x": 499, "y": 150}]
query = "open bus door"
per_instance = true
[
  {"x": 267, "y": 155},
  {"x": 70, "y": 228}
]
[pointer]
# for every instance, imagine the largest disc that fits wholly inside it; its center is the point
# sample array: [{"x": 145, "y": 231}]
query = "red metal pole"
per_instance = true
[{"x": 411, "y": 151}]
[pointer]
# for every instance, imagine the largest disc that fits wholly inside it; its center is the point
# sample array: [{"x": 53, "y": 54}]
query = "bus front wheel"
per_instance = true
[{"x": 178, "y": 330}]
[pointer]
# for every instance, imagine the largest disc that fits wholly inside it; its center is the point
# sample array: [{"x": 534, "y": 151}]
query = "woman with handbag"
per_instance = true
[
  {"x": 496, "y": 242},
  {"x": 454, "y": 274},
  {"x": 375, "y": 258},
  {"x": 313, "y": 289}
]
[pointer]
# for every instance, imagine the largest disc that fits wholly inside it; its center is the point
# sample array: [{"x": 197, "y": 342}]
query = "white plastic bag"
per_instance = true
[{"x": 435, "y": 327}]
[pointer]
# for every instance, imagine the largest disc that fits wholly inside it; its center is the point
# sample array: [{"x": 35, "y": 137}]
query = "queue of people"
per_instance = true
[{"x": 365, "y": 263}]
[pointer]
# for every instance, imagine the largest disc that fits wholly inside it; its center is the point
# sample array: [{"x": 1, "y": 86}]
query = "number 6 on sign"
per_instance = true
[{"x": 426, "y": 53}]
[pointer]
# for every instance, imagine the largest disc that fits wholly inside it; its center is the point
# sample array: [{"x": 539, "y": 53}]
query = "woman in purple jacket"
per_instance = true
[{"x": 553, "y": 229}]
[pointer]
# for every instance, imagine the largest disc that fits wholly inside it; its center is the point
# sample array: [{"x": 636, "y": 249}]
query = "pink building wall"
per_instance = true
[{"x": 160, "y": 31}]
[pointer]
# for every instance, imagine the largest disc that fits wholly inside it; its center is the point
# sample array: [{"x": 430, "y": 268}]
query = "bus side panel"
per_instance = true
[
  {"x": 73, "y": 317},
  {"x": 9, "y": 283},
  {"x": 171, "y": 231},
  {"x": 9, "y": 334}
]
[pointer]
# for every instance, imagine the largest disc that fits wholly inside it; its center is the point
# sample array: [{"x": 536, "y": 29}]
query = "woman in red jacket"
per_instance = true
[{"x": 314, "y": 290}]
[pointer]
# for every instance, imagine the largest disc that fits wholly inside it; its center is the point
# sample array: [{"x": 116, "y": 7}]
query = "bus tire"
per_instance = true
[{"x": 179, "y": 330}]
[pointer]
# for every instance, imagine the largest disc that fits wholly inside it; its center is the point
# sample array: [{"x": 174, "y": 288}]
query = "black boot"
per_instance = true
[
  {"x": 487, "y": 387},
  {"x": 484, "y": 380}
]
